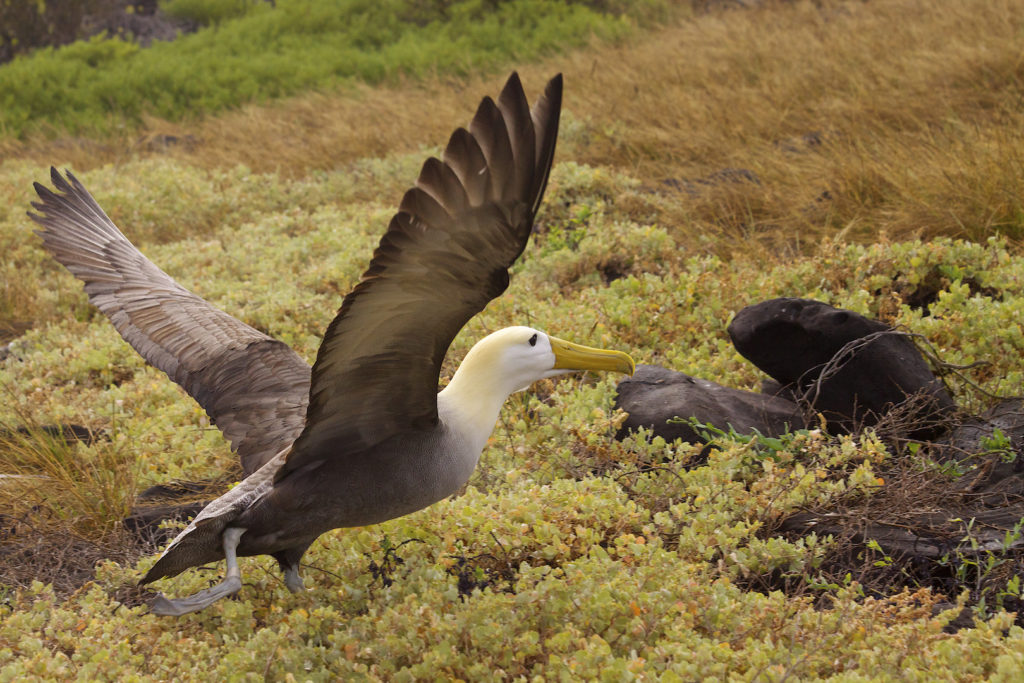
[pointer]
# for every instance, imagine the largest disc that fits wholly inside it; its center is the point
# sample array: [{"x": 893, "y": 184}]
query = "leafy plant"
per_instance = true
[
  {"x": 999, "y": 444},
  {"x": 763, "y": 446},
  {"x": 978, "y": 567}
]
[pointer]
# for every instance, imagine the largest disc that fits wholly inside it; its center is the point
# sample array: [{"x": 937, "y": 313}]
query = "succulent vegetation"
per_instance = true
[{"x": 867, "y": 155}]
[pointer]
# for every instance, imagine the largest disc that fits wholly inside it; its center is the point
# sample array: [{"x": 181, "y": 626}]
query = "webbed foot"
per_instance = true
[
  {"x": 165, "y": 607},
  {"x": 231, "y": 584}
]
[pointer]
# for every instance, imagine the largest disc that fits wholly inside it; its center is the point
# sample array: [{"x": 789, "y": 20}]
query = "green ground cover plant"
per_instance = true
[
  {"x": 569, "y": 556},
  {"x": 254, "y": 52},
  {"x": 209, "y": 12}
]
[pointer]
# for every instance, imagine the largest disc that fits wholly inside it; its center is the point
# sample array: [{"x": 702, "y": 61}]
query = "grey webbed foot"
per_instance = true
[
  {"x": 231, "y": 584},
  {"x": 166, "y": 607}
]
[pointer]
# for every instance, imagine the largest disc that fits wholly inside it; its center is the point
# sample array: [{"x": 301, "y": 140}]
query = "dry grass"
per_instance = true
[
  {"x": 893, "y": 117},
  {"x": 922, "y": 523},
  {"x": 87, "y": 487},
  {"x": 61, "y": 505}
]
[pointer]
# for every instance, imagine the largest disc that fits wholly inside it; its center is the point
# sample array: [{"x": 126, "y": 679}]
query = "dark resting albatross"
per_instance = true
[{"x": 365, "y": 436}]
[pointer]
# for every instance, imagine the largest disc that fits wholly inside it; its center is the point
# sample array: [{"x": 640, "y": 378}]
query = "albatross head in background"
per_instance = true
[{"x": 508, "y": 361}]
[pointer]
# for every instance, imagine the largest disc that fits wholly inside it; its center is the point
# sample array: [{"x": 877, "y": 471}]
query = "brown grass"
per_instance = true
[
  {"x": 61, "y": 505},
  {"x": 87, "y": 487},
  {"x": 898, "y": 117}
]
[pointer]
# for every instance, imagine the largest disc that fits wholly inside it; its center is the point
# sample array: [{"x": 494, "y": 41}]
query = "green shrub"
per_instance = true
[
  {"x": 210, "y": 12},
  {"x": 268, "y": 52}
]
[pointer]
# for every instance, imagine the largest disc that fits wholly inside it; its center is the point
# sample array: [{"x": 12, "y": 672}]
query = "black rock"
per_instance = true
[
  {"x": 655, "y": 395},
  {"x": 178, "y": 490},
  {"x": 1008, "y": 417},
  {"x": 61, "y": 432},
  {"x": 144, "y": 520},
  {"x": 851, "y": 369},
  {"x": 992, "y": 470},
  {"x": 171, "y": 501}
]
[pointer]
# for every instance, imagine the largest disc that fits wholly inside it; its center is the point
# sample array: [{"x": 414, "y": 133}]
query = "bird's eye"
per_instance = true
[{"x": 533, "y": 339}]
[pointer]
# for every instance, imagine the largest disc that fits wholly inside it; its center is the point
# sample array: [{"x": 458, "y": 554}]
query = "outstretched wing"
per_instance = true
[
  {"x": 254, "y": 388},
  {"x": 444, "y": 256}
]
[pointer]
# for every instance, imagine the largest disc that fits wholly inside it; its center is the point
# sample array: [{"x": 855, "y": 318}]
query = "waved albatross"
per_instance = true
[{"x": 363, "y": 436}]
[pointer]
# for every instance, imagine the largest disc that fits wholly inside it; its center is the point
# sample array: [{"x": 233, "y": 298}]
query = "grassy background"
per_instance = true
[
  {"x": 843, "y": 151},
  {"x": 861, "y": 121},
  {"x": 254, "y": 51}
]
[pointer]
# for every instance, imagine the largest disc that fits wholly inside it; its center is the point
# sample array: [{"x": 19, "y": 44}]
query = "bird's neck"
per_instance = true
[{"x": 472, "y": 401}]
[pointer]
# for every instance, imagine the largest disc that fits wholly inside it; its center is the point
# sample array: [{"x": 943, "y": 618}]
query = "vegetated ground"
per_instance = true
[
  {"x": 271, "y": 50},
  {"x": 792, "y": 149}
]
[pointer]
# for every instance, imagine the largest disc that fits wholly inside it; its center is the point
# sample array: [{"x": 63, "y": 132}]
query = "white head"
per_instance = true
[
  {"x": 513, "y": 358},
  {"x": 510, "y": 360}
]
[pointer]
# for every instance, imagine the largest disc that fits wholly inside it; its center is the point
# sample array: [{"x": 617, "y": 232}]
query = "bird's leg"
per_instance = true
[
  {"x": 229, "y": 586},
  {"x": 288, "y": 560},
  {"x": 292, "y": 580}
]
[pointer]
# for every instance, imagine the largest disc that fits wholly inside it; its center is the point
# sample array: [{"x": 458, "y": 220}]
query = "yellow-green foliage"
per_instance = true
[
  {"x": 569, "y": 556},
  {"x": 585, "y": 561},
  {"x": 207, "y": 12}
]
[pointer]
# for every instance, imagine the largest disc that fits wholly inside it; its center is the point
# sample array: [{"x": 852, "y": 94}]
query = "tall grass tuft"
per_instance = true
[
  {"x": 61, "y": 506},
  {"x": 86, "y": 488}
]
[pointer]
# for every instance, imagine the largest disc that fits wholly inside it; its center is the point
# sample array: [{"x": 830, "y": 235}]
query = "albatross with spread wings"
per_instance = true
[{"x": 364, "y": 436}]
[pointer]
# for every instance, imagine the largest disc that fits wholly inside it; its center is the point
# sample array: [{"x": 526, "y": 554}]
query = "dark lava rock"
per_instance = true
[
  {"x": 61, "y": 432},
  {"x": 175, "y": 501},
  {"x": 145, "y": 520},
  {"x": 1007, "y": 416},
  {"x": 992, "y": 470},
  {"x": 849, "y": 368},
  {"x": 654, "y": 395}
]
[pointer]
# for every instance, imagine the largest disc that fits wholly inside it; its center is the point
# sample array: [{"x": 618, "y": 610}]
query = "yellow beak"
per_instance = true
[{"x": 569, "y": 356}]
